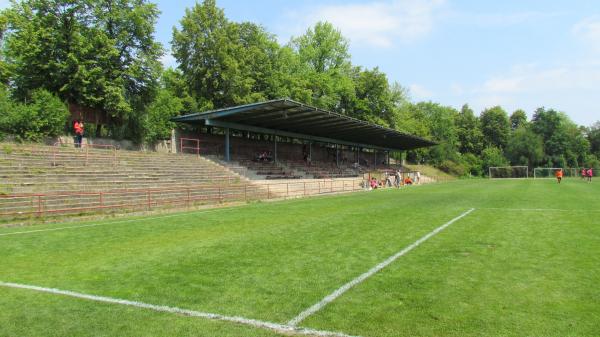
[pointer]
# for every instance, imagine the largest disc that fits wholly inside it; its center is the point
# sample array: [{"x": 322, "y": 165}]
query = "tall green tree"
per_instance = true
[
  {"x": 525, "y": 147},
  {"x": 495, "y": 127},
  {"x": 470, "y": 137},
  {"x": 564, "y": 142},
  {"x": 374, "y": 99},
  {"x": 99, "y": 54},
  {"x": 323, "y": 52},
  {"x": 226, "y": 63},
  {"x": 518, "y": 119}
]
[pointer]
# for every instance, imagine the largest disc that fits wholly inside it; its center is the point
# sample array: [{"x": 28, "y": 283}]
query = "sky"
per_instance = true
[{"x": 517, "y": 54}]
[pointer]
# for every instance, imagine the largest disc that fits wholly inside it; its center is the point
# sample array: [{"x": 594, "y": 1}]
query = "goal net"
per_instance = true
[
  {"x": 511, "y": 172},
  {"x": 550, "y": 172}
]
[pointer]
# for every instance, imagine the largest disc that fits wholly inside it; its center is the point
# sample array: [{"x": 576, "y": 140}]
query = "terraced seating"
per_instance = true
[
  {"x": 320, "y": 170},
  {"x": 269, "y": 169},
  {"x": 40, "y": 169}
]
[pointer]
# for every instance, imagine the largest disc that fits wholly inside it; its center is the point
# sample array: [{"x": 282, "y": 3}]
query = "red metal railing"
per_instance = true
[
  {"x": 26, "y": 205},
  {"x": 85, "y": 151},
  {"x": 183, "y": 146},
  {"x": 36, "y": 205}
]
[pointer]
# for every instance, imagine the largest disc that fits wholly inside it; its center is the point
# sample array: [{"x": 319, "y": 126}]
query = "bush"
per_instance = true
[
  {"x": 45, "y": 116},
  {"x": 472, "y": 164},
  {"x": 453, "y": 168}
]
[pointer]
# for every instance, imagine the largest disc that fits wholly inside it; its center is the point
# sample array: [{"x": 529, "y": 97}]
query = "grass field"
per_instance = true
[{"x": 525, "y": 262}]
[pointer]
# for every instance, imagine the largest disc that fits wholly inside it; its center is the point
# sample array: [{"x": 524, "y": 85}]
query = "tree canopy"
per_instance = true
[{"x": 102, "y": 55}]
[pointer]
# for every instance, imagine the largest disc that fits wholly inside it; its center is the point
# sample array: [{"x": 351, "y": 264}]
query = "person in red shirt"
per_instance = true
[
  {"x": 583, "y": 173},
  {"x": 559, "y": 175},
  {"x": 79, "y": 130},
  {"x": 590, "y": 174}
]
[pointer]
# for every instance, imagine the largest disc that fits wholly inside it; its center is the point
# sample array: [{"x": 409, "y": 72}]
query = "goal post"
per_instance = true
[
  {"x": 509, "y": 172},
  {"x": 550, "y": 172}
]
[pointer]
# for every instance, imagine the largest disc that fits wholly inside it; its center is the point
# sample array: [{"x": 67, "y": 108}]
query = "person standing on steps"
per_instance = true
[{"x": 79, "y": 130}]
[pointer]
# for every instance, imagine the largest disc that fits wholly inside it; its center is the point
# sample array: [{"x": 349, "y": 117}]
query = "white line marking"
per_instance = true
[
  {"x": 340, "y": 291},
  {"x": 116, "y": 222},
  {"x": 540, "y": 209},
  {"x": 280, "y": 328}
]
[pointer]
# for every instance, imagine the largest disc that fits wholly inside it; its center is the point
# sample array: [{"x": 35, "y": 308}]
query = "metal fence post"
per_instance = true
[
  {"x": 269, "y": 191},
  {"x": 39, "y": 212},
  {"x": 149, "y": 200},
  {"x": 101, "y": 199},
  {"x": 188, "y": 197}
]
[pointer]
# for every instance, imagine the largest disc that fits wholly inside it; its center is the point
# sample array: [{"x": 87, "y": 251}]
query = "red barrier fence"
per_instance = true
[
  {"x": 85, "y": 152},
  {"x": 27, "y": 205},
  {"x": 37, "y": 205},
  {"x": 186, "y": 144}
]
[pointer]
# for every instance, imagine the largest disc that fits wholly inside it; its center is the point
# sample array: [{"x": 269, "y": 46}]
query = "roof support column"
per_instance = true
[
  {"x": 337, "y": 155},
  {"x": 310, "y": 151},
  {"x": 227, "y": 153},
  {"x": 275, "y": 154},
  {"x": 375, "y": 158}
]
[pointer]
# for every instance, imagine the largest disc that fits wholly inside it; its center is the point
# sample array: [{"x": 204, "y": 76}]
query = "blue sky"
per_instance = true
[{"x": 517, "y": 54}]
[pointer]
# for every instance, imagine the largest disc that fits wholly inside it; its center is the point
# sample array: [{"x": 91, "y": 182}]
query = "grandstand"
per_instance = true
[{"x": 269, "y": 150}]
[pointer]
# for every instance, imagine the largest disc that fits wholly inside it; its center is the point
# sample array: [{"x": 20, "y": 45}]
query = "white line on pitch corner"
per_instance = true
[
  {"x": 116, "y": 222},
  {"x": 340, "y": 291},
  {"x": 279, "y": 328}
]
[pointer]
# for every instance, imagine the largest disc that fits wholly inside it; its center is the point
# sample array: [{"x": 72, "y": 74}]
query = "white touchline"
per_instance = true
[
  {"x": 115, "y": 222},
  {"x": 280, "y": 328},
  {"x": 540, "y": 209},
  {"x": 331, "y": 297}
]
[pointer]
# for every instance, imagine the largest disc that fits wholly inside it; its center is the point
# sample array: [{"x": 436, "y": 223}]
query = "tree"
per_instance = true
[
  {"x": 518, "y": 119},
  {"x": 323, "y": 54},
  {"x": 99, "y": 54},
  {"x": 157, "y": 123},
  {"x": 525, "y": 147},
  {"x": 495, "y": 127},
  {"x": 323, "y": 48},
  {"x": 564, "y": 143},
  {"x": 226, "y": 63},
  {"x": 469, "y": 132},
  {"x": 440, "y": 122},
  {"x": 493, "y": 157},
  {"x": 593, "y": 135},
  {"x": 374, "y": 100}
]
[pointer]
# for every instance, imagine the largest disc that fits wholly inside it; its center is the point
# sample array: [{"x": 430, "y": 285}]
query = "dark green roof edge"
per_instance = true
[{"x": 241, "y": 108}]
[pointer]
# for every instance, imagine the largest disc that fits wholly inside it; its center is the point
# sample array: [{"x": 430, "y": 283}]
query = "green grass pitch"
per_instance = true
[{"x": 526, "y": 262}]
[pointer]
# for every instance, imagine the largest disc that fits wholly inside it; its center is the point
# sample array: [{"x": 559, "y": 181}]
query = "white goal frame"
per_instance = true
[
  {"x": 570, "y": 172},
  {"x": 508, "y": 167}
]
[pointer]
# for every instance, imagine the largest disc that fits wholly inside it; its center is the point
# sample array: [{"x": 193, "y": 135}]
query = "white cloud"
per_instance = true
[
  {"x": 588, "y": 31},
  {"x": 4, "y": 4},
  {"x": 378, "y": 23},
  {"x": 568, "y": 87},
  {"x": 499, "y": 19},
  {"x": 419, "y": 92}
]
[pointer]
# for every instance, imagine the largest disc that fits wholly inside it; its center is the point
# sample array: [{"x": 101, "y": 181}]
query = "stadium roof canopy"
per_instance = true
[{"x": 288, "y": 118}]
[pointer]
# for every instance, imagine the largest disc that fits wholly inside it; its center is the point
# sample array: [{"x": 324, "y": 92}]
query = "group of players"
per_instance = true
[{"x": 586, "y": 174}]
